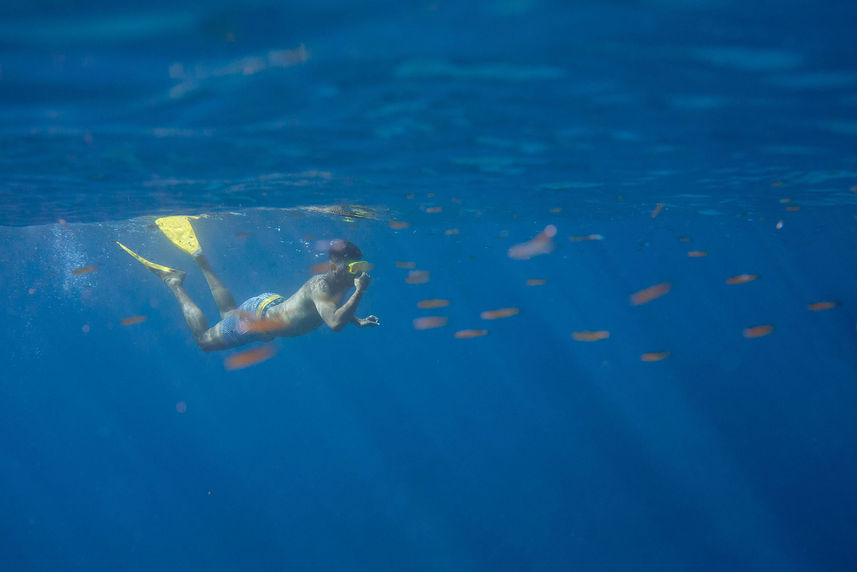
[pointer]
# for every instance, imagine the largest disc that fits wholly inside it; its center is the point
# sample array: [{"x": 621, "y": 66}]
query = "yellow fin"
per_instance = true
[
  {"x": 144, "y": 262},
  {"x": 180, "y": 232}
]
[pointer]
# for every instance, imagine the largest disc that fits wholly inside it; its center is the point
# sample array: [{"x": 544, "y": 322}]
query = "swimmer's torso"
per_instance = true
[{"x": 299, "y": 313}]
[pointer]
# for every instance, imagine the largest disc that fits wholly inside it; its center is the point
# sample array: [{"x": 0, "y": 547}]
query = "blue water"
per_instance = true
[{"x": 661, "y": 126}]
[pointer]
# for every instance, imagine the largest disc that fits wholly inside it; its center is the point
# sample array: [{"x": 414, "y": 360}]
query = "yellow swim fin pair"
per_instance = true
[{"x": 180, "y": 233}]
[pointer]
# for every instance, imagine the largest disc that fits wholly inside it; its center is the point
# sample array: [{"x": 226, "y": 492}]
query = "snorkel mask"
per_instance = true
[{"x": 358, "y": 267}]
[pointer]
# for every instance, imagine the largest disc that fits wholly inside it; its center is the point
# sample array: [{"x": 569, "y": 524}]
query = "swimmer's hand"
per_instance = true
[
  {"x": 368, "y": 322},
  {"x": 362, "y": 282}
]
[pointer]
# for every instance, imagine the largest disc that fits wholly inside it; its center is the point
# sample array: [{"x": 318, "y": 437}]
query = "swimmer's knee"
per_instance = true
[{"x": 209, "y": 342}]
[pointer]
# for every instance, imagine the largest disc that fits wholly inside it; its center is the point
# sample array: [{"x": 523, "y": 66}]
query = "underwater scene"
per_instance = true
[{"x": 496, "y": 285}]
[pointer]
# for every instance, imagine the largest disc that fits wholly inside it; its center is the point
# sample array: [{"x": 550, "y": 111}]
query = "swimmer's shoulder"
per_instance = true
[{"x": 317, "y": 285}]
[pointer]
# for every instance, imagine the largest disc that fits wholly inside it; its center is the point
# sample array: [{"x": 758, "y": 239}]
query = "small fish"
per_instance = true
[
  {"x": 132, "y": 320},
  {"x": 249, "y": 357},
  {"x": 399, "y": 225},
  {"x": 451, "y": 231},
  {"x": 266, "y": 326},
  {"x": 433, "y": 210},
  {"x": 816, "y": 306},
  {"x": 434, "y": 303},
  {"x": 658, "y": 208},
  {"x": 85, "y": 270},
  {"x": 655, "y": 356},
  {"x": 403, "y": 264},
  {"x": 585, "y": 237},
  {"x": 500, "y": 313},
  {"x": 697, "y": 253},
  {"x": 758, "y": 331},
  {"x": 590, "y": 336},
  {"x": 536, "y": 282},
  {"x": 742, "y": 278},
  {"x": 793, "y": 208},
  {"x": 243, "y": 234},
  {"x": 648, "y": 294},
  {"x": 320, "y": 268},
  {"x": 417, "y": 277},
  {"x": 470, "y": 333},
  {"x": 429, "y": 322},
  {"x": 541, "y": 244}
]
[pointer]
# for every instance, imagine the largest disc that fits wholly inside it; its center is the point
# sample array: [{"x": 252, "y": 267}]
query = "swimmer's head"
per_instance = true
[
  {"x": 343, "y": 251},
  {"x": 345, "y": 261}
]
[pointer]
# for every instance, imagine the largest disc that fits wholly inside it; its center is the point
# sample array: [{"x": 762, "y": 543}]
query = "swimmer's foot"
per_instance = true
[
  {"x": 172, "y": 278},
  {"x": 167, "y": 274}
]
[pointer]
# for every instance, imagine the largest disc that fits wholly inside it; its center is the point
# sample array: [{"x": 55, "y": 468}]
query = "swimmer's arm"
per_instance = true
[
  {"x": 368, "y": 321},
  {"x": 336, "y": 319}
]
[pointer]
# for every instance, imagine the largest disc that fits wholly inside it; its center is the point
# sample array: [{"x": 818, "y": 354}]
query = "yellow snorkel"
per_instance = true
[{"x": 358, "y": 267}]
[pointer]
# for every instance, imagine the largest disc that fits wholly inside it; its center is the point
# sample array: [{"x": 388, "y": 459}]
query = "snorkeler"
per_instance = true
[{"x": 266, "y": 316}]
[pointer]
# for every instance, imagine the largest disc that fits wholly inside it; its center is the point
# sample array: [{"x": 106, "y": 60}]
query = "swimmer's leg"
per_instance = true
[
  {"x": 208, "y": 339},
  {"x": 192, "y": 314},
  {"x": 222, "y": 297}
]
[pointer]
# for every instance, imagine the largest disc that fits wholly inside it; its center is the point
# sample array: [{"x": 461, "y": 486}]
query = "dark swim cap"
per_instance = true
[{"x": 343, "y": 250}]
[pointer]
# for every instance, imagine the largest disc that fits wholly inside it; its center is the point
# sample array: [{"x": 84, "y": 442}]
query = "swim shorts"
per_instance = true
[{"x": 235, "y": 327}]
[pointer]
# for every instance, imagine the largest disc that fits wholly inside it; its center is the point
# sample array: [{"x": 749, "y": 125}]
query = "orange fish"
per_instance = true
[
  {"x": 697, "y": 253},
  {"x": 85, "y": 270},
  {"x": 778, "y": 183},
  {"x": 793, "y": 208},
  {"x": 590, "y": 336},
  {"x": 433, "y": 210},
  {"x": 132, "y": 320},
  {"x": 501, "y": 313},
  {"x": 266, "y": 326},
  {"x": 658, "y": 208},
  {"x": 320, "y": 268},
  {"x": 401, "y": 264},
  {"x": 685, "y": 239},
  {"x": 741, "y": 278},
  {"x": 650, "y": 293},
  {"x": 655, "y": 356},
  {"x": 243, "y": 234},
  {"x": 555, "y": 210},
  {"x": 822, "y": 306},
  {"x": 784, "y": 201},
  {"x": 536, "y": 282},
  {"x": 541, "y": 244},
  {"x": 249, "y": 357},
  {"x": 429, "y": 322},
  {"x": 417, "y": 277},
  {"x": 451, "y": 231},
  {"x": 435, "y": 303},
  {"x": 758, "y": 331},
  {"x": 586, "y": 237},
  {"x": 399, "y": 225},
  {"x": 470, "y": 333}
]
